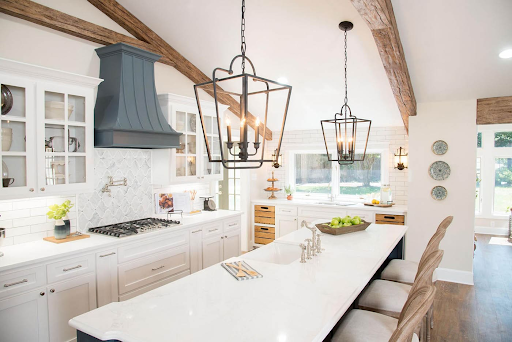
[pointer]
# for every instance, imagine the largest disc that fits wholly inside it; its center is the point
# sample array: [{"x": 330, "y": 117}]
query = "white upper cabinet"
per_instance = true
[
  {"x": 47, "y": 127},
  {"x": 189, "y": 162}
]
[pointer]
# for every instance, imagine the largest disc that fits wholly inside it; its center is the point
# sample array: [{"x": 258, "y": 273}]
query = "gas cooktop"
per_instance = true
[{"x": 135, "y": 227}]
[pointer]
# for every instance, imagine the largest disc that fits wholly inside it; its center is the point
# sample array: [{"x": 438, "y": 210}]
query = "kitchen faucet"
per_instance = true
[{"x": 313, "y": 240}]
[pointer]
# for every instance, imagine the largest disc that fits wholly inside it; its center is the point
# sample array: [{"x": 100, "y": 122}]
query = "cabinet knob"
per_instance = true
[
  {"x": 226, "y": 237},
  {"x": 222, "y": 237},
  {"x": 31, "y": 189},
  {"x": 41, "y": 293},
  {"x": 43, "y": 189},
  {"x": 52, "y": 290}
]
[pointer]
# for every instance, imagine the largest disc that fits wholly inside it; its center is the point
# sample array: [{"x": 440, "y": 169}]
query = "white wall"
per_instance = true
[{"x": 455, "y": 123}]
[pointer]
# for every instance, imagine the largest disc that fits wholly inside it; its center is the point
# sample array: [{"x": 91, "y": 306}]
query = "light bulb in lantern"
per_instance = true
[
  {"x": 257, "y": 131},
  {"x": 228, "y": 126}
]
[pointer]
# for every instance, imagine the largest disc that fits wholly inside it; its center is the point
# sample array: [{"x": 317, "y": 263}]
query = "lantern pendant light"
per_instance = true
[
  {"x": 346, "y": 125},
  {"x": 401, "y": 159},
  {"x": 245, "y": 153}
]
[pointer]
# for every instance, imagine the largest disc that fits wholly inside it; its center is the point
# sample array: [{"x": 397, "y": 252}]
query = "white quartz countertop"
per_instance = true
[
  {"x": 42, "y": 251},
  {"x": 292, "y": 302},
  {"x": 395, "y": 209}
]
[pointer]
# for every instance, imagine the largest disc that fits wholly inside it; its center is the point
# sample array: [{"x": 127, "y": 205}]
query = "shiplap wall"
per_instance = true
[{"x": 380, "y": 137}]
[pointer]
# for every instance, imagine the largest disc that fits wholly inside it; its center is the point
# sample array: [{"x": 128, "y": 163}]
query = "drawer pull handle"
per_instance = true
[
  {"x": 287, "y": 211},
  {"x": 212, "y": 230},
  {"x": 72, "y": 268},
  {"x": 233, "y": 224},
  {"x": 264, "y": 207},
  {"x": 106, "y": 255},
  {"x": 390, "y": 217},
  {"x": 197, "y": 231},
  {"x": 16, "y": 283},
  {"x": 263, "y": 228},
  {"x": 155, "y": 269}
]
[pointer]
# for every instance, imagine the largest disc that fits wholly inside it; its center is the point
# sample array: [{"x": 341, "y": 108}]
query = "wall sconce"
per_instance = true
[
  {"x": 277, "y": 160},
  {"x": 401, "y": 159}
]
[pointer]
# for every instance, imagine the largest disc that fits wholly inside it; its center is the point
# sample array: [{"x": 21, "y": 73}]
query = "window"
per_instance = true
[
  {"x": 479, "y": 140},
  {"x": 361, "y": 178},
  {"x": 503, "y": 139},
  {"x": 478, "y": 196},
  {"x": 502, "y": 184},
  {"x": 313, "y": 173}
]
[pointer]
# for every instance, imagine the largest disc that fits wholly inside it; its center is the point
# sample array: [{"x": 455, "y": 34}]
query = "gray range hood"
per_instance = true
[{"x": 127, "y": 113}]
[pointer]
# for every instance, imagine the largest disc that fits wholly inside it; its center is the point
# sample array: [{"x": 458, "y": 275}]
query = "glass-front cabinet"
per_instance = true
[
  {"x": 189, "y": 162},
  {"x": 47, "y": 130}
]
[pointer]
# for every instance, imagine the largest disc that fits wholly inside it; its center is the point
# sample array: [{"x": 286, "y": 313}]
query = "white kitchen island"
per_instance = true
[{"x": 292, "y": 302}]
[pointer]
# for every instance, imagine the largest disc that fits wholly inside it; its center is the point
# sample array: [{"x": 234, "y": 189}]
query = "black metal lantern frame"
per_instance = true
[
  {"x": 242, "y": 154},
  {"x": 345, "y": 125},
  {"x": 277, "y": 158}
]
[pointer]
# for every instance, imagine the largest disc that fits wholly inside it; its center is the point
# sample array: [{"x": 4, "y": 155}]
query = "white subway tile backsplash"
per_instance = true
[
  {"x": 11, "y": 232},
  {"x": 29, "y": 237},
  {"x": 27, "y": 221},
  {"x": 42, "y": 227}
]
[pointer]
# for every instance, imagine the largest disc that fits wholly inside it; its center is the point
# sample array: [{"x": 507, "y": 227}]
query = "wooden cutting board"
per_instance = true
[
  {"x": 379, "y": 205},
  {"x": 68, "y": 239}
]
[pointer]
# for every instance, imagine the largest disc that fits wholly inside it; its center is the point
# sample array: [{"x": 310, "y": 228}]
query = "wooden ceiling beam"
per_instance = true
[
  {"x": 138, "y": 29},
  {"x": 380, "y": 18},
  {"x": 494, "y": 110}
]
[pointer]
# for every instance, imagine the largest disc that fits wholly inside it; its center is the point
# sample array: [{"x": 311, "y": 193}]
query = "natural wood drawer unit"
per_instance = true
[
  {"x": 264, "y": 235},
  {"x": 264, "y": 214},
  {"x": 390, "y": 219}
]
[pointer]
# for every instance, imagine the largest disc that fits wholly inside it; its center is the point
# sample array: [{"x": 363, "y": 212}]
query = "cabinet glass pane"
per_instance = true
[
  {"x": 54, "y": 138},
  {"x": 54, "y": 106},
  {"x": 216, "y": 168},
  {"x": 180, "y": 166},
  {"x": 13, "y": 101},
  {"x": 76, "y": 104},
  {"x": 191, "y": 144},
  {"x": 13, "y": 136},
  {"x": 210, "y": 141},
  {"x": 14, "y": 171},
  {"x": 208, "y": 167},
  {"x": 216, "y": 147},
  {"x": 191, "y": 122},
  {"x": 180, "y": 121},
  {"x": 77, "y": 170},
  {"x": 55, "y": 170},
  {"x": 191, "y": 166},
  {"x": 181, "y": 149},
  {"x": 76, "y": 139},
  {"x": 208, "y": 122}
]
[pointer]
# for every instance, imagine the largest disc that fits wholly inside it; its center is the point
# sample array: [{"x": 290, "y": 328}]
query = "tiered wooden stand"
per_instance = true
[{"x": 272, "y": 188}]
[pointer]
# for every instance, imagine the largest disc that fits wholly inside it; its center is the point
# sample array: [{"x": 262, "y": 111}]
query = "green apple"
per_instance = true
[
  {"x": 347, "y": 224},
  {"x": 335, "y": 221},
  {"x": 346, "y": 219},
  {"x": 357, "y": 217},
  {"x": 355, "y": 221}
]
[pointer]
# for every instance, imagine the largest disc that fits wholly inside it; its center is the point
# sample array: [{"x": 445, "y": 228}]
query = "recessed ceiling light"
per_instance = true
[
  {"x": 506, "y": 53},
  {"x": 282, "y": 80}
]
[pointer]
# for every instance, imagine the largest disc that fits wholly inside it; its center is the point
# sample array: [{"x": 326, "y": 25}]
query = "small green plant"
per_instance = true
[
  {"x": 57, "y": 212},
  {"x": 289, "y": 190}
]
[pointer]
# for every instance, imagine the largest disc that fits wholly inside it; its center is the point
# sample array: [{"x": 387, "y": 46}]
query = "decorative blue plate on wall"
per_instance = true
[
  {"x": 439, "y": 170},
  {"x": 439, "y": 193}
]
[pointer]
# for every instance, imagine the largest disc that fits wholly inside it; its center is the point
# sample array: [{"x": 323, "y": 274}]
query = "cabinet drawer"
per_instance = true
[
  {"x": 368, "y": 216},
  {"x": 265, "y": 208},
  {"x": 232, "y": 224},
  {"x": 264, "y": 229},
  {"x": 147, "y": 270},
  {"x": 265, "y": 220},
  {"x": 212, "y": 229},
  {"x": 12, "y": 283},
  {"x": 70, "y": 268},
  {"x": 153, "y": 286},
  {"x": 288, "y": 211},
  {"x": 259, "y": 213},
  {"x": 321, "y": 213},
  {"x": 150, "y": 246},
  {"x": 265, "y": 235},
  {"x": 389, "y": 219},
  {"x": 262, "y": 241}
]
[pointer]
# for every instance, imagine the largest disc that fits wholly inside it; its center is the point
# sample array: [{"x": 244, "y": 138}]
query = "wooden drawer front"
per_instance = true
[
  {"x": 262, "y": 241},
  {"x": 287, "y": 211},
  {"x": 265, "y": 220},
  {"x": 147, "y": 270},
  {"x": 265, "y": 235},
  {"x": 212, "y": 229},
  {"x": 232, "y": 224},
  {"x": 154, "y": 245},
  {"x": 153, "y": 286},
  {"x": 70, "y": 268},
  {"x": 259, "y": 213},
  {"x": 390, "y": 219},
  {"x": 264, "y": 229},
  {"x": 12, "y": 283},
  {"x": 265, "y": 208}
]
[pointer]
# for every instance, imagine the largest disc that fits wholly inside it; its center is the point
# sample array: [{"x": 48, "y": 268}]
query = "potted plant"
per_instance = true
[
  {"x": 59, "y": 213},
  {"x": 289, "y": 192}
]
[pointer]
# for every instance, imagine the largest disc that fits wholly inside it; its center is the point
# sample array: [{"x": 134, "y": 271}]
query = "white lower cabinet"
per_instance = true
[
  {"x": 196, "y": 250},
  {"x": 66, "y": 300},
  {"x": 212, "y": 250},
  {"x": 286, "y": 225},
  {"x": 106, "y": 277},
  {"x": 24, "y": 317},
  {"x": 231, "y": 245}
]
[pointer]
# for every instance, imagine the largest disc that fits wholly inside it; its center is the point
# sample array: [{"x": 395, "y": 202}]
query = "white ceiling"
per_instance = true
[
  {"x": 452, "y": 47},
  {"x": 296, "y": 39}
]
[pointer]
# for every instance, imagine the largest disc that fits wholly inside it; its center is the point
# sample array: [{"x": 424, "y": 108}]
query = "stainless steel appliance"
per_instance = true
[
  {"x": 135, "y": 227},
  {"x": 2, "y": 236}
]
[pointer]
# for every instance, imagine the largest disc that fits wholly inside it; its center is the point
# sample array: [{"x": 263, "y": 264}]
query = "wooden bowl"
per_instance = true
[{"x": 324, "y": 228}]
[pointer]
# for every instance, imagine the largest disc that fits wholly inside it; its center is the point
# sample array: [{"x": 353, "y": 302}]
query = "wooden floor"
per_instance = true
[{"x": 482, "y": 312}]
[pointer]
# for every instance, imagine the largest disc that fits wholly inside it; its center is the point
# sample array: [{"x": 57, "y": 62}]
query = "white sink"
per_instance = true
[
  {"x": 275, "y": 253},
  {"x": 339, "y": 204}
]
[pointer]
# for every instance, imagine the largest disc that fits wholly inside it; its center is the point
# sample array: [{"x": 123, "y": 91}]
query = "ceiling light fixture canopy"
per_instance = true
[
  {"x": 245, "y": 153},
  {"x": 351, "y": 132}
]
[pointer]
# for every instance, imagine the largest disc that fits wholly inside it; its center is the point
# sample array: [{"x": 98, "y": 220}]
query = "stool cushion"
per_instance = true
[
  {"x": 402, "y": 271},
  {"x": 386, "y": 297},
  {"x": 365, "y": 326}
]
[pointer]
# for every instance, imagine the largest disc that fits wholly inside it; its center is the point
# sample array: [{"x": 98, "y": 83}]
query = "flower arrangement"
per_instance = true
[{"x": 58, "y": 212}]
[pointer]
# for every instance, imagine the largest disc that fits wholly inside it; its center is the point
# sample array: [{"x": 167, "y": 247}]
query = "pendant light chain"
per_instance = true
[
  {"x": 243, "y": 47},
  {"x": 346, "y": 85}
]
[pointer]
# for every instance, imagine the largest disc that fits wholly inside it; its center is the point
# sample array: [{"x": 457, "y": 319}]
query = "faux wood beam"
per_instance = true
[
  {"x": 380, "y": 18},
  {"x": 138, "y": 29},
  {"x": 494, "y": 110},
  {"x": 62, "y": 22}
]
